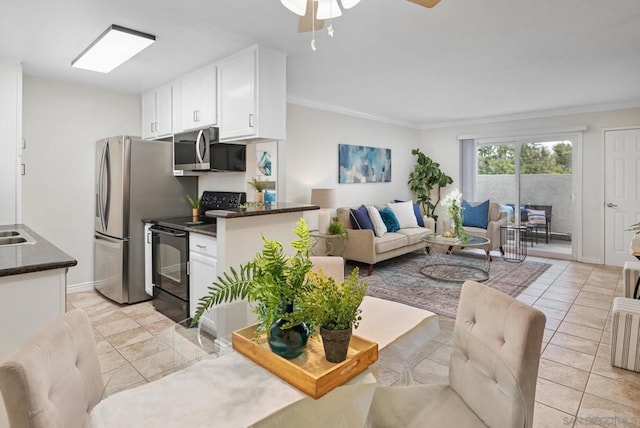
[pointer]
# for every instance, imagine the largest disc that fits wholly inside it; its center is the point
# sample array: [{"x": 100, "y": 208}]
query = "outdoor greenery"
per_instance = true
[
  {"x": 425, "y": 177},
  {"x": 534, "y": 159}
]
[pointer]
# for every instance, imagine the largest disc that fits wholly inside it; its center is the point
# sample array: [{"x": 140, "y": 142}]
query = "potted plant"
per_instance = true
[
  {"x": 425, "y": 177},
  {"x": 272, "y": 282},
  {"x": 195, "y": 206},
  {"x": 260, "y": 186},
  {"x": 337, "y": 228},
  {"x": 334, "y": 308}
]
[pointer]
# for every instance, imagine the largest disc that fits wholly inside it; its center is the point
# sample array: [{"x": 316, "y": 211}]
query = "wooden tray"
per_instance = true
[{"x": 310, "y": 372}]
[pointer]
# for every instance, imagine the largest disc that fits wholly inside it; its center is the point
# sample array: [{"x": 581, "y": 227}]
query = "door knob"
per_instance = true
[{"x": 610, "y": 205}]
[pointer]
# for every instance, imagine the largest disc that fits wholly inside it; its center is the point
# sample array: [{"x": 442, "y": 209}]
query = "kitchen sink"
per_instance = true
[{"x": 14, "y": 237}]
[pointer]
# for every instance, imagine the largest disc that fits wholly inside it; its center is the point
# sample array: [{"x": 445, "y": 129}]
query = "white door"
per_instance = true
[{"x": 622, "y": 193}]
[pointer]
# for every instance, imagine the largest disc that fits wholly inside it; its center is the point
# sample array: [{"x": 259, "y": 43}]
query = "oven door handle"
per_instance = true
[{"x": 163, "y": 232}]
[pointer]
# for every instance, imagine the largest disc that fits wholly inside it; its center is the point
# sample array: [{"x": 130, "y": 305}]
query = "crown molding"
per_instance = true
[
  {"x": 535, "y": 115},
  {"x": 593, "y": 108},
  {"x": 354, "y": 113}
]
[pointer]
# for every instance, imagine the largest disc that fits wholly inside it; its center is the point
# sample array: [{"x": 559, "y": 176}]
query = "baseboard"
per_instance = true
[
  {"x": 80, "y": 288},
  {"x": 592, "y": 260}
]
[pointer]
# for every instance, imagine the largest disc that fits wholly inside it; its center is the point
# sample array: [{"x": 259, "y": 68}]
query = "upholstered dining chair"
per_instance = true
[
  {"x": 492, "y": 371},
  {"x": 54, "y": 380}
]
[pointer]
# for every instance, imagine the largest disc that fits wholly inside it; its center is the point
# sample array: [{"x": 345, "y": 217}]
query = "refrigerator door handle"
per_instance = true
[
  {"x": 200, "y": 137},
  {"x": 99, "y": 193},
  {"x": 115, "y": 241},
  {"x": 107, "y": 205}
]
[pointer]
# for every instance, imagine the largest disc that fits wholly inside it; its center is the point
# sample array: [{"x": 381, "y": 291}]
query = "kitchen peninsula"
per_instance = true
[
  {"x": 234, "y": 239},
  {"x": 33, "y": 284}
]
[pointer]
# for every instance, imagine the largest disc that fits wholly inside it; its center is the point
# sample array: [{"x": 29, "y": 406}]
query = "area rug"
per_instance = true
[{"x": 400, "y": 279}]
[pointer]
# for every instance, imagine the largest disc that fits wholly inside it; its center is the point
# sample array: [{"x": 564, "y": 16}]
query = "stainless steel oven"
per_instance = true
[{"x": 170, "y": 254}]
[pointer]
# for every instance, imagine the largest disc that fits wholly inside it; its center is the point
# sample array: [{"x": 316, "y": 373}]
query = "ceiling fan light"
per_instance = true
[
  {"x": 328, "y": 9},
  {"x": 348, "y": 4},
  {"x": 299, "y": 7}
]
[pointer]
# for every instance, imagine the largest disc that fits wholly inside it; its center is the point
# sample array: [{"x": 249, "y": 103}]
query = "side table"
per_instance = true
[
  {"x": 325, "y": 244},
  {"x": 513, "y": 240}
]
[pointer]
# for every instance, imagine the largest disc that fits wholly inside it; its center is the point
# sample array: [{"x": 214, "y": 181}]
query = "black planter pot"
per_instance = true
[{"x": 336, "y": 344}]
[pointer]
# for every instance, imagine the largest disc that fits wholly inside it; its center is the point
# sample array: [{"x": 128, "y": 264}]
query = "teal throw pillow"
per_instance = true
[
  {"x": 475, "y": 216},
  {"x": 389, "y": 219}
]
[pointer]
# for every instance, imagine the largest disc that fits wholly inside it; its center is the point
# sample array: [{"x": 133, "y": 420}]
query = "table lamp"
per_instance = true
[{"x": 324, "y": 198}]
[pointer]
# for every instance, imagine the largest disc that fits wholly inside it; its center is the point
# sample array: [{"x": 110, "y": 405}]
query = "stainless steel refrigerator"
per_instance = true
[{"x": 134, "y": 180}]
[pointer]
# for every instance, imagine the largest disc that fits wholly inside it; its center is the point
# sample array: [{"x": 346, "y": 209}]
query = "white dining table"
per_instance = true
[{"x": 232, "y": 391}]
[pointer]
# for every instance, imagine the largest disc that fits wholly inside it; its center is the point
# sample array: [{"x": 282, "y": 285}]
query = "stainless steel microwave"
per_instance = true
[{"x": 191, "y": 150}]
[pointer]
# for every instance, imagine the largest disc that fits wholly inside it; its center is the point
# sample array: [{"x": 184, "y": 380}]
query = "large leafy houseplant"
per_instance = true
[
  {"x": 270, "y": 282},
  {"x": 425, "y": 177}
]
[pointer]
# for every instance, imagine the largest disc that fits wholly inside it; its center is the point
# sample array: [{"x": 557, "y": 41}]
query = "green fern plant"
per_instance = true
[
  {"x": 269, "y": 281},
  {"x": 337, "y": 228}
]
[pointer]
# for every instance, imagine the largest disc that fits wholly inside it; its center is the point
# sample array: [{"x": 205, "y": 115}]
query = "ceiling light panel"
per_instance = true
[{"x": 114, "y": 47}]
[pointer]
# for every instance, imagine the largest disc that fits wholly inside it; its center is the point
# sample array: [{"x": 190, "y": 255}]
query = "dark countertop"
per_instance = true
[
  {"x": 276, "y": 208},
  {"x": 31, "y": 257},
  {"x": 205, "y": 229}
]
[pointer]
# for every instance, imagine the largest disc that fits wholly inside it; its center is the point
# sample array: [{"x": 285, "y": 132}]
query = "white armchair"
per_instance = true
[{"x": 496, "y": 219}]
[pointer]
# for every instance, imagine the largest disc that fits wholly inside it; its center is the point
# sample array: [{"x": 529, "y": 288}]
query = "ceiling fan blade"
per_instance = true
[
  {"x": 308, "y": 21},
  {"x": 425, "y": 3}
]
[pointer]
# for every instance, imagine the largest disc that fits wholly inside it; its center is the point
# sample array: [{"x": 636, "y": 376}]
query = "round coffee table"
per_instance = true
[{"x": 439, "y": 263}]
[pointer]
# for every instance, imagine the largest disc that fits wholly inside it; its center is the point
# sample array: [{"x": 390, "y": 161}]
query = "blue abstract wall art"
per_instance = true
[{"x": 361, "y": 164}]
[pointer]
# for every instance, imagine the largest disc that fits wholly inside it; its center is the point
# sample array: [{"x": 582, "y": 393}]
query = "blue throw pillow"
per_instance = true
[
  {"x": 416, "y": 211},
  {"x": 390, "y": 220},
  {"x": 475, "y": 216},
  {"x": 360, "y": 218}
]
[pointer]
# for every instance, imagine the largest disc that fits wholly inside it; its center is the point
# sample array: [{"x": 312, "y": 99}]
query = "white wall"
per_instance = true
[
  {"x": 10, "y": 129},
  {"x": 311, "y": 158},
  {"x": 442, "y": 145},
  {"x": 61, "y": 123}
]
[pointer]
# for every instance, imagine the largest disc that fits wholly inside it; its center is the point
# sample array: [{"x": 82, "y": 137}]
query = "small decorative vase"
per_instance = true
[
  {"x": 336, "y": 344},
  {"x": 289, "y": 342},
  {"x": 195, "y": 213},
  {"x": 260, "y": 197}
]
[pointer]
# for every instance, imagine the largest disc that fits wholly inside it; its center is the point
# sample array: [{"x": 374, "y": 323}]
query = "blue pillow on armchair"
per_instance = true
[{"x": 475, "y": 216}]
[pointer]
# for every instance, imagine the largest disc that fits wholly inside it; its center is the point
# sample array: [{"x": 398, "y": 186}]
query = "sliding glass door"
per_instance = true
[{"x": 533, "y": 181}]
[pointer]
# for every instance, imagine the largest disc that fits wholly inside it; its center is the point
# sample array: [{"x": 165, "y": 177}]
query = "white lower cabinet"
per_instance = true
[{"x": 220, "y": 320}]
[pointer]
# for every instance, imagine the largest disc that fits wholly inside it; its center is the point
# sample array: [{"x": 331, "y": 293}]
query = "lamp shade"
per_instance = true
[{"x": 324, "y": 198}]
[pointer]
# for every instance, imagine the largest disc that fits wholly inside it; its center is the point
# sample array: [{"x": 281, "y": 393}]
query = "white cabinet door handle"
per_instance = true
[
  {"x": 202, "y": 247},
  {"x": 251, "y": 120},
  {"x": 610, "y": 205}
]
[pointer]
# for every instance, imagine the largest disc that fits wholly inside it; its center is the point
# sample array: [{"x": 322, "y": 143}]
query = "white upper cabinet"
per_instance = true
[
  {"x": 198, "y": 99},
  {"x": 157, "y": 113},
  {"x": 252, "y": 85}
]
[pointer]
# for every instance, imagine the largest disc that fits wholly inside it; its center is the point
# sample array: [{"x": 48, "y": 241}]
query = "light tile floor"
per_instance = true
[{"x": 576, "y": 384}]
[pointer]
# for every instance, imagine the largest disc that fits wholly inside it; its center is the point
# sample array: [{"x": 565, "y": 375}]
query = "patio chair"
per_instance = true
[{"x": 545, "y": 224}]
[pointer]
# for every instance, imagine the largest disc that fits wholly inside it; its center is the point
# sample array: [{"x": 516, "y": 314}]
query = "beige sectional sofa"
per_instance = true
[{"x": 362, "y": 245}]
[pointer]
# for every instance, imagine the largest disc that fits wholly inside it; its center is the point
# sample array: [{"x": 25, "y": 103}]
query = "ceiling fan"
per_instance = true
[{"x": 313, "y": 13}]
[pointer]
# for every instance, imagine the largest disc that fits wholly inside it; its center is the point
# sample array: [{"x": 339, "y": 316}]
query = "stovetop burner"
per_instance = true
[{"x": 210, "y": 201}]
